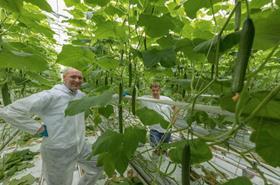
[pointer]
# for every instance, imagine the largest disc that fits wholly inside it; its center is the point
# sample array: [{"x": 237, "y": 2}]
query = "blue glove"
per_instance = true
[
  {"x": 44, "y": 133},
  {"x": 125, "y": 93}
]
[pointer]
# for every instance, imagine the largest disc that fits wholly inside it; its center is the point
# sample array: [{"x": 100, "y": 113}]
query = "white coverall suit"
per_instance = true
[{"x": 65, "y": 145}]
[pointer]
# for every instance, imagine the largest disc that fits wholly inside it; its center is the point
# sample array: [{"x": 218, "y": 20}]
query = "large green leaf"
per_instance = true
[
  {"x": 151, "y": 117},
  {"x": 120, "y": 159},
  {"x": 106, "y": 160},
  {"x": 132, "y": 137},
  {"x": 267, "y": 29},
  {"x": 97, "y": 2},
  {"x": 27, "y": 19},
  {"x": 107, "y": 63},
  {"x": 33, "y": 14},
  {"x": 209, "y": 47},
  {"x": 110, "y": 29},
  {"x": 42, "y": 4},
  {"x": 202, "y": 29},
  {"x": 79, "y": 14},
  {"x": 83, "y": 104},
  {"x": 98, "y": 19},
  {"x": 187, "y": 46},
  {"x": 71, "y": 2},
  {"x": 267, "y": 139},
  {"x": 166, "y": 57},
  {"x": 24, "y": 47},
  {"x": 120, "y": 146},
  {"x": 239, "y": 181},
  {"x": 155, "y": 26},
  {"x": 257, "y": 4},
  {"x": 200, "y": 151},
  {"x": 15, "y": 5},
  {"x": 226, "y": 43},
  {"x": 109, "y": 141},
  {"x": 77, "y": 22},
  {"x": 22, "y": 60},
  {"x": 40, "y": 80},
  {"x": 187, "y": 30},
  {"x": 74, "y": 56},
  {"x": 192, "y": 6},
  {"x": 115, "y": 10},
  {"x": 166, "y": 41},
  {"x": 178, "y": 24}
]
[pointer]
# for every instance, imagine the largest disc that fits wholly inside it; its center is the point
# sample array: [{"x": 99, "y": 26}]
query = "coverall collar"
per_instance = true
[{"x": 65, "y": 89}]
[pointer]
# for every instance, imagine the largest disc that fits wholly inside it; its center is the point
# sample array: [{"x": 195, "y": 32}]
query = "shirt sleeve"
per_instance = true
[{"x": 19, "y": 113}]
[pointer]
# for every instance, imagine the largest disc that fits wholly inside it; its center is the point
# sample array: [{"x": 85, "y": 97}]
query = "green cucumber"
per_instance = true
[
  {"x": 106, "y": 79},
  {"x": 120, "y": 108},
  {"x": 186, "y": 165},
  {"x": 129, "y": 74},
  {"x": 237, "y": 19},
  {"x": 6, "y": 94},
  {"x": 245, "y": 47},
  {"x": 133, "y": 100}
]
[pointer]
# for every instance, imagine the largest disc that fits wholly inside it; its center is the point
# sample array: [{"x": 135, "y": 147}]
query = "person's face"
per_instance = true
[
  {"x": 156, "y": 92},
  {"x": 73, "y": 79}
]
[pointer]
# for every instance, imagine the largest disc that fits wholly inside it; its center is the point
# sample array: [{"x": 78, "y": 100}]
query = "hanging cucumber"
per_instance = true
[
  {"x": 245, "y": 47},
  {"x": 133, "y": 100},
  {"x": 184, "y": 88},
  {"x": 96, "y": 82},
  {"x": 145, "y": 43},
  {"x": 120, "y": 108},
  {"x": 106, "y": 79},
  {"x": 212, "y": 71},
  {"x": 237, "y": 18},
  {"x": 138, "y": 83},
  {"x": 6, "y": 94},
  {"x": 186, "y": 165},
  {"x": 122, "y": 54},
  {"x": 129, "y": 74}
]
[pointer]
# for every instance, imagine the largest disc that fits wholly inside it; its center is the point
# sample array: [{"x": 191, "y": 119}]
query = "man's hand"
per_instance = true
[
  {"x": 42, "y": 131},
  {"x": 175, "y": 113}
]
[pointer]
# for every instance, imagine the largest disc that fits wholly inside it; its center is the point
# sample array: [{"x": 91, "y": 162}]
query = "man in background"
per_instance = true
[{"x": 157, "y": 133}]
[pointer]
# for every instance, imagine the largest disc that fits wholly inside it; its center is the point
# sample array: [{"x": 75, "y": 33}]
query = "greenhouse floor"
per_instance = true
[
  {"x": 152, "y": 167},
  {"x": 36, "y": 171}
]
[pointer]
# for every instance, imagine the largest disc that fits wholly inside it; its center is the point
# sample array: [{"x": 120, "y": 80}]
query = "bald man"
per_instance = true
[{"x": 63, "y": 144}]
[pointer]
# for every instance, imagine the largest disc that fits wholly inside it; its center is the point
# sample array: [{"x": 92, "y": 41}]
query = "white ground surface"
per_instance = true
[
  {"x": 36, "y": 172},
  {"x": 228, "y": 163}
]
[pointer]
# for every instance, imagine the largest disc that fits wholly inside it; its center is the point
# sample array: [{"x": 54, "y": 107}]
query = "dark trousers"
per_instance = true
[{"x": 157, "y": 137}]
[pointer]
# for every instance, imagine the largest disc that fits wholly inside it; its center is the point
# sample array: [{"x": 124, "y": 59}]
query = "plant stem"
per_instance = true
[
  {"x": 248, "y": 9},
  {"x": 212, "y": 9}
]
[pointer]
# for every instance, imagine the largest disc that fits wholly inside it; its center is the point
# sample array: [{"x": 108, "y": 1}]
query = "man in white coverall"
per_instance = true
[
  {"x": 157, "y": 133},
  {"x": 64, "y": 144}
]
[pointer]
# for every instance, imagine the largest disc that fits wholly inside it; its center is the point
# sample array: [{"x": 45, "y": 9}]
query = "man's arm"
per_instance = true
[
  {"x": 20, "y": 112},
  {"x": 173, "y": 112}
]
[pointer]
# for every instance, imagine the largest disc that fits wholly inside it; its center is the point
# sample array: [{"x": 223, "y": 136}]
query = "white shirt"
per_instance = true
[{"x": 164, "y": 110}]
